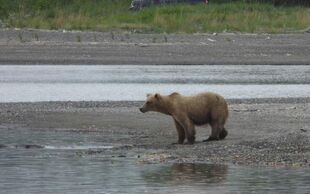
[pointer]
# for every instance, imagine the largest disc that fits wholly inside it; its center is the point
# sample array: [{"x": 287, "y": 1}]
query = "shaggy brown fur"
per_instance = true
[{"x": 188, "y": 111}]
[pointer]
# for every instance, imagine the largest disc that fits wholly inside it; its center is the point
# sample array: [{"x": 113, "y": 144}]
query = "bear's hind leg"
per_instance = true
[
  {"x": 215, "y": 132},
  {"x": 181, "y": 132},
  {"x": 223, "y": 133}
]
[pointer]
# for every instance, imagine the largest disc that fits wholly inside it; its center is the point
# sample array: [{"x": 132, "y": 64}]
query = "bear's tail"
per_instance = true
[{"x": 223, "y": 134}]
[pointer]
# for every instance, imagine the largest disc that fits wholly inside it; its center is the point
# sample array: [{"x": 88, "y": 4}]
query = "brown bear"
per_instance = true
[{"x": 188, "y": 111}]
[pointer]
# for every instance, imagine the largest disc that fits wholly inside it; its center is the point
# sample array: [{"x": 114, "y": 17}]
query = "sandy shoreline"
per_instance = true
[
  {"x": 30, "y": 46},
  {"x": 261, "y": 132}
]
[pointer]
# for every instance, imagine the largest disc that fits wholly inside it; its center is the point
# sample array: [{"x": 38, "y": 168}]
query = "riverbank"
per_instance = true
[
  {"x": 269, "y": 132},
  {"x": 30, "y": 46}
]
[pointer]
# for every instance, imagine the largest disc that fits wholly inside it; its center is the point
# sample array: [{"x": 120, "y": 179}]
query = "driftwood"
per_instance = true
[{"x": 137, "y": 4}]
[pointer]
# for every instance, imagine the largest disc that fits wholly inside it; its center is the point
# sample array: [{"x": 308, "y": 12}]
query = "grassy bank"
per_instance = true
[{"x": 104, "y": 15}]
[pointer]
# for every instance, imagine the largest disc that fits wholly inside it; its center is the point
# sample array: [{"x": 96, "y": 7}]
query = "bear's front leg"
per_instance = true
[
  {"x": 181, "y": 132},
  {"x": 188, "y": 126},
  {"x": 190, "y": 133}
]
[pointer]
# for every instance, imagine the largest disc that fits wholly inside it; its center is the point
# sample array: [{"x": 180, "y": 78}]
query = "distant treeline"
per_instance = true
[
  {"x": 30, "y": 6},
  {"x": 6, "y": 5},
  {"x": 274, "y": 2},
  {"x": 250, "y": 16},
  {"x": 284, "y": 2},
  {"x": 15, "y": 6}
]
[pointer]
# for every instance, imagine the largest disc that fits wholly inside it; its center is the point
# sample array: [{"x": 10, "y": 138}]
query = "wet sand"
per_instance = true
[
  {"x": 262, "y": 132},
  {"x": 29, "y": 46}
]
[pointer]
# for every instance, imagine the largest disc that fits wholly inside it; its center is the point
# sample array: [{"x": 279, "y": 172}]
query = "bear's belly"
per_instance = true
[{"x": 200, "y": 120}]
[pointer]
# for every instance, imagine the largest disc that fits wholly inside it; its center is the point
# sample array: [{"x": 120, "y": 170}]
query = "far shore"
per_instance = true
[{"x": 33, "y": 46}]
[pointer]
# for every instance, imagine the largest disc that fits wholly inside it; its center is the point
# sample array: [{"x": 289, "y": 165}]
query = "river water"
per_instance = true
[
  {"x": 114, "y": 83},
  {"x": 43, "y": 161}
]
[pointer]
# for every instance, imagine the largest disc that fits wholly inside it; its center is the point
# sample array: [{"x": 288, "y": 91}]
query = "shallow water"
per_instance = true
[
  {"x": 132, "y": 82},
  {"x": 66, "y": 172},
  {"x": 36, "y": 161}
]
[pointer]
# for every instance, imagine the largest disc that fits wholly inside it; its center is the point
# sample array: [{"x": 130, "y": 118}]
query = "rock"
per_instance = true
[
  {"x": 2, "y": 146},
  {"x": 30, "y": 146}
]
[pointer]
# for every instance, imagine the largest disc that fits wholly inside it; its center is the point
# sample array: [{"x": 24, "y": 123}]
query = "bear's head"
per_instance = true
[{"x": 152, "y": 103}]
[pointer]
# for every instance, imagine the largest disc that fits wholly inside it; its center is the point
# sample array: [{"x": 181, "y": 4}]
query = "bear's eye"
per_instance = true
[{"x": 148, "y": 102}]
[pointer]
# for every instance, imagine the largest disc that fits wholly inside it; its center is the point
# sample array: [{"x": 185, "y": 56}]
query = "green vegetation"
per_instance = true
[{"x": 107, "y": 15}]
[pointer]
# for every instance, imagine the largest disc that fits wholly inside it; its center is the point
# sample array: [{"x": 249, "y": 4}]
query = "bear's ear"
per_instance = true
[
  {"x": 157, "y": 96},
  {"x": 148, "y": 95}
]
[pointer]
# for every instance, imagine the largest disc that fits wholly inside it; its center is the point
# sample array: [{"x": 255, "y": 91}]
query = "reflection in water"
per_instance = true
[
  {"x": 271, "y": 180},
  {"x": 187, "y": 174}
]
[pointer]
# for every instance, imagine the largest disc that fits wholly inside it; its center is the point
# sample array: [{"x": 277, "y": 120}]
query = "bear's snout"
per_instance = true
[{"x": 142, "y": 110}]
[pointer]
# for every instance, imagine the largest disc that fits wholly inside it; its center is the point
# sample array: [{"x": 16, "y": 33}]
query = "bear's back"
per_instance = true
[{"x": 202, "y": 107}]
